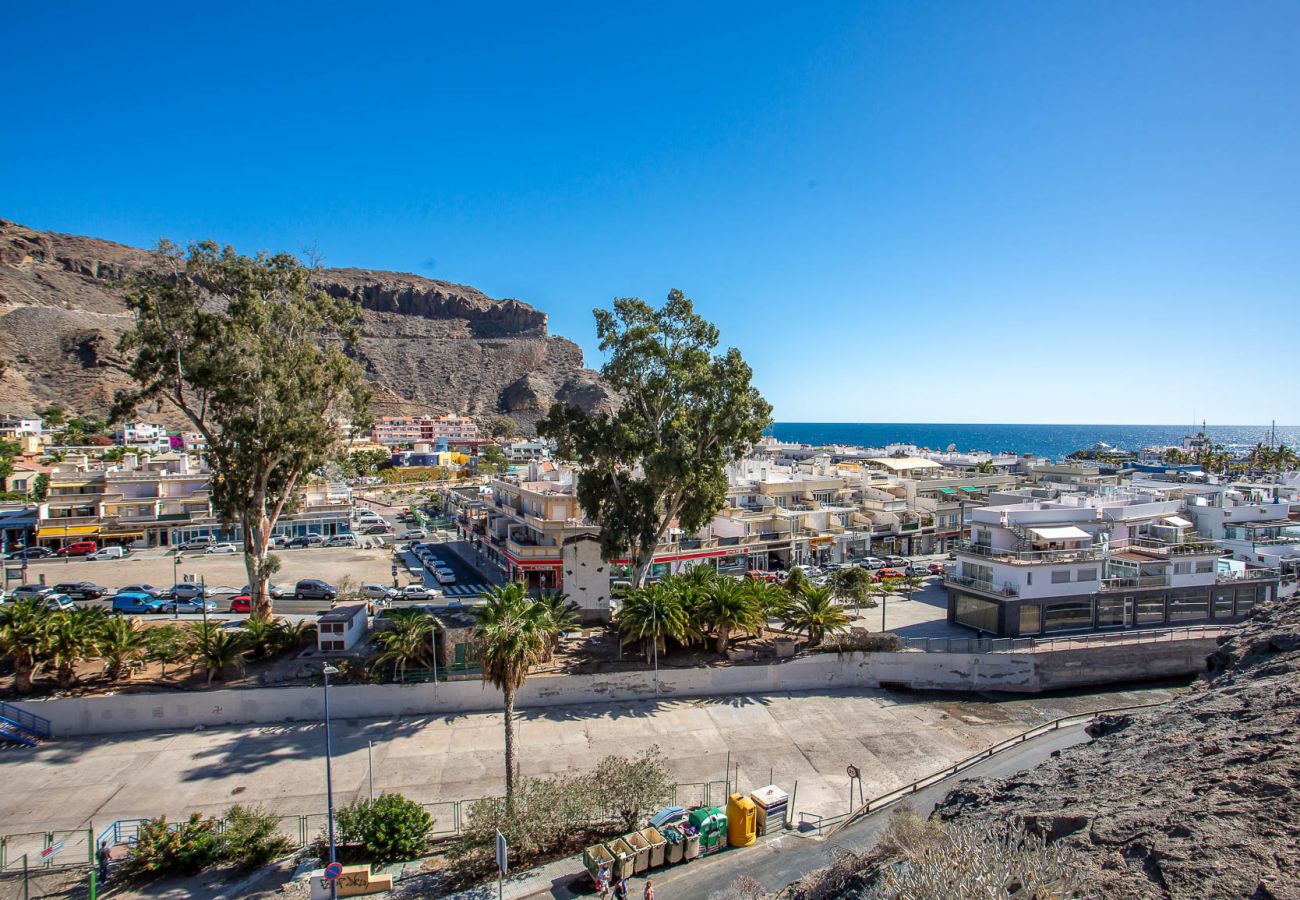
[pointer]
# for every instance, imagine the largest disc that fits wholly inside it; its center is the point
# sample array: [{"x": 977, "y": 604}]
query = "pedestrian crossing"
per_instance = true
[{"x": 462, "y": 591}]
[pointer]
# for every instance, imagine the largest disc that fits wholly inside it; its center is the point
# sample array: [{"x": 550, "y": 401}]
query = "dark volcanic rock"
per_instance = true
[
  {"x": 1197, "y": 798},
  {"x": 427, "y": 346}
]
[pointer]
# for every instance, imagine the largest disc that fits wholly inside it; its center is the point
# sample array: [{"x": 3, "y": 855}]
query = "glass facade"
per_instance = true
[
  {"x": 975, "y": 612},
  {"x": 1223, "y": 603},
  {"x": 1066, "y": 615},
  {"x": 1031, "y": 618},
  {"x": 1110, "y": 612},
  {"x": 1151, "y": 609},
  {"x": 1189, "y": 604}
]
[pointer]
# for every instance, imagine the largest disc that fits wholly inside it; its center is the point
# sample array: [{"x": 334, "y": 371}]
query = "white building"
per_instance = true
[
  {"x": 340, "y": 629},
  {"x": 14, "y": 427}
]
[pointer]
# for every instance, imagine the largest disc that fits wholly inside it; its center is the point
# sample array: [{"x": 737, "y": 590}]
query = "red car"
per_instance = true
[
  {"x": 760, "y": 575},
  {"x": 886, "y": 573},
  {"x": 241, "y": 603},
  {"x": 78, "y": 548},
  {"x": 936, "y": 568}
]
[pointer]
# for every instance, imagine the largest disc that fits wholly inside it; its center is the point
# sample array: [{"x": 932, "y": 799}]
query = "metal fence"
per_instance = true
[{"x": 1065, "y": 642}]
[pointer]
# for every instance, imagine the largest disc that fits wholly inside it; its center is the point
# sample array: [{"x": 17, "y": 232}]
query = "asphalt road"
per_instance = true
[{"x": 786, "y": 858}]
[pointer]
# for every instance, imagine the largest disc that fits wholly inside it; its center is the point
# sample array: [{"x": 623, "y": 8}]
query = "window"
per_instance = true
[
  {"x": 1087, "y": 575},
  {"x": 976, "y": 571},
  {"x": 1183, "y": 568},
  {"x": 1151, "y": 609},
  {"x": 1185, "y": 605},
  {"x": 1245, "y": 600},
  {"x": 974, "y": 612},
  {"x": 1110, "y": 612},
  {"x": 1223, "y": 604},
  {"x": 1031, "y": 618},
  {"x": 1204, "y": 566},
  {"x": 1067, "y": 615},
  {"x": 1061, "y": 576}
]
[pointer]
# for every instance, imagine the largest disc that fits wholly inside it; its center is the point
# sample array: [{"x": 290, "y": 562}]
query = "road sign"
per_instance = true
[
  {"x": 333, "y": 871},
  {"x": 854, "y": 772},
  {"x": 503, "y": 852},
  {"x": 48, "y": 852}
]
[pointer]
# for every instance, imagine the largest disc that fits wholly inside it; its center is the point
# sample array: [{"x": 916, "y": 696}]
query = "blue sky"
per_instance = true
[{"x": 934, "y": 212}]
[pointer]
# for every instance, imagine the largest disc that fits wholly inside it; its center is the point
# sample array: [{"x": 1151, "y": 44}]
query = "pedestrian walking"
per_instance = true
[
  {"x": 649, "y": 890},
  {"x": 620, "y": 888},
  {"x": 102, "y": 856}
]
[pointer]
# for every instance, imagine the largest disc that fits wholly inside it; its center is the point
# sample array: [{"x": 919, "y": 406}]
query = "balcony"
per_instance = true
[
  {"x": 529, "y": 550},
  {"x": 1032, "y": 557},
  {"x": 1248, "y": 575},
  {"x": 1006, "y": 589},
  {"x": 1165, "y": 548},
  {"x": 1134, "y": 582}
]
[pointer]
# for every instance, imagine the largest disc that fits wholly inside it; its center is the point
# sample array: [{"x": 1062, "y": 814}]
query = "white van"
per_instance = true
[{"x": 341, "y": 540}]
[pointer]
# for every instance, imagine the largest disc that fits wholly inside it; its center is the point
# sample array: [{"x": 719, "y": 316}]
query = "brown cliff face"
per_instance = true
[{"x": 427, "y": 346}]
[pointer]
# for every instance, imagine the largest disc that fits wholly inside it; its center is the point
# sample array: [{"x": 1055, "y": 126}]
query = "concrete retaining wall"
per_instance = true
[{"x": 1019, "y": 672}]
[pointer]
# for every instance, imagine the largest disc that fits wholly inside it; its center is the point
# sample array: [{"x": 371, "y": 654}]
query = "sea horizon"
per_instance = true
[{"x": 1050, "y": 440}]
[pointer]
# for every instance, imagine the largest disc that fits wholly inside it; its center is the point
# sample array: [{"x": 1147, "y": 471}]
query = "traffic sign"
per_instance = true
[
  {"x": 854, "y": 772},
  {"x": 333, "y": 871},
  {"x": 503, "y": 853},
  {"x": 48, "y": 852}
]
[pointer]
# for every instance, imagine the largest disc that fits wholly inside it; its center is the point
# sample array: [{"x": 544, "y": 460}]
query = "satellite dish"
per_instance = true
[{"x": 952, "y": 448}]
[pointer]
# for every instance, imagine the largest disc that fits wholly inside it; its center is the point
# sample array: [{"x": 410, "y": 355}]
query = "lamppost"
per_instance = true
[
  {"x": 329, "y": 670},
  {"x": 176, "y": 564}
]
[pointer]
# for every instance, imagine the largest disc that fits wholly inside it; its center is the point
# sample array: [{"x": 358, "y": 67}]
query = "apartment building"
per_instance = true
[
  {"x": 396, "y": 431},
  {"x": 145, "y": 436},
  {"x": 1258, "y": 523},
  {"x": 1085, "y": 562},
  {"x": 14, "y": 427}
]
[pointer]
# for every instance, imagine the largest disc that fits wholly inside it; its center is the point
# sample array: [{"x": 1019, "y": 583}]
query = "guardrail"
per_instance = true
[
  {"x": 1006, "y": 645},
  {"x": 37, "y": 725},
  {"x": 875, "y": 804}
]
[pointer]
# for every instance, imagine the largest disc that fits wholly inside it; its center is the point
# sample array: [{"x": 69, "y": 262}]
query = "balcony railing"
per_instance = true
[
  {"x": 1006, "y": 589},
  {"x": 1249, "y": 575},
  {"x": 1032, "y": 557},
  {"x": 1165, "y": 548},
  {"x": 1134, "y": 582}
]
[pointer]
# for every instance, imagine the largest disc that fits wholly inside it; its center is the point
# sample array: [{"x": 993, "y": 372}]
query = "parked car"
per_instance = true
[
  {"x": 31, "y": 592},
  {"x": 917, "y": 571},
  {"x": 186, "y": 590},
  {"x": 379, "y": 592},
  {"x": 377, "y": 528},
  {"x": 59, "y": 603},
  {"x": 444, "y": 576},
  {"x": 274, "y": 590},
  {"x": 78, "y": 548},
  {"x": 223, "y": 547},
  {"x": 872, "y": 562},
  {"x": 280, "y": 541},
  {"x": 142, "y": 589},
  {"x": 936, "y": 568},
  {"x": 80, "y": 590},
  {"x": 136, "y": 603},
  {"x": 896, "y": 562},
  {"x": 314, "y": 589},
  {"x": 761, "y": 575},
  {"x": 196, "y": 543},
  {"x": 30, "y": 553},
  {"x": 114, "y": 552},
  {"x": 417, "y": 592},
  {"x": 412, "y": 534},
  {"x": 306, "y": 540},
  {"x": 887, "y": 573},
  {"x": 242, "y": 603},
  {"x": 341, "y": 540},
  {"x": 190, "y": 606}
]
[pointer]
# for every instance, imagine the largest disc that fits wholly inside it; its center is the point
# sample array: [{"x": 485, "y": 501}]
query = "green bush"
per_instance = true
[
  {"x": 251, "y": 836},
  {"x": 389, "y": 829},
  {"x": 164, "y": 848}
]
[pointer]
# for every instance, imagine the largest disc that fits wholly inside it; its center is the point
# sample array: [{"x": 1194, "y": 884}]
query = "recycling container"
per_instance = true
[
  {"x": 641, "y": 851},
  {"x": 676, "y": 845},
  {"x": 657, "y": 844},
  {"x": 773, "y": 805},
  {"x": 742, "y": 821},
  {"x": 596, "y": 859},
  {"x": 623, "y": 855},
  {"x": 711, "y": 823},
  {"x": 692, "y": 846}
]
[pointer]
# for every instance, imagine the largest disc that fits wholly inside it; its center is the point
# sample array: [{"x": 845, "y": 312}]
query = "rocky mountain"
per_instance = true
[
  {"x": 427, "y": 346},
  {"x": 1197, "y": 798}
]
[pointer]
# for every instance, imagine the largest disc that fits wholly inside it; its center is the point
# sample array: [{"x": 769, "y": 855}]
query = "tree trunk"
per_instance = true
[
  {"x": 642, "y": 562},
  {"x": 22, "y": 679},
  {"x": 510, "y": 745},
  {"x": 724, "y": 637},
  {"x": 66, "y": 675},
  {"x": 257, "y": 538}
]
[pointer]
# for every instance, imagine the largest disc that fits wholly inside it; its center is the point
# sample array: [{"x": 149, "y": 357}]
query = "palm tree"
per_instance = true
[
  {"x": 1176, "y": 456},
  {"x": 770, "y": 599},
  {"x": 909, "y": 586},
  {"x": 121, "y": 641},
  {"x": 851, "y": 584},
  {"x": 512, "y": 635},
  {"x": 22, "y": 636},
  {"x": 262, "y": 637},
  {"x": 166, "y": 645},
  {"x": 984, "y": 467},
  {"x": 652, "y": 614},
  {"x": 796, "y": 582},
  {"x": 69, "y": 638},
  {"x": 563, "y": 615},
  {"x": 815, "y": 613},
  {"x": 727, "y": 608},
  {"x": 1284, "y": 459},
  {"x": 216, "y": 649},
  {"x": 408, "y": 642}
]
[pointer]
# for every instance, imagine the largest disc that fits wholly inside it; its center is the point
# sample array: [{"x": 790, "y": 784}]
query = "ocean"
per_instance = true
[{"x": 1054, "y": 441}]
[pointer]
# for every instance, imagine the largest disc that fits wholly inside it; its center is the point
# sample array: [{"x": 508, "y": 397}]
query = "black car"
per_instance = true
[
  {"x": 30, "y": 553},
  {"x": 155, "y": 592},
  {"x": 309, "y": 540},
  {"x": 314, "y": 589},
  {"x": 80, "y": 590}
]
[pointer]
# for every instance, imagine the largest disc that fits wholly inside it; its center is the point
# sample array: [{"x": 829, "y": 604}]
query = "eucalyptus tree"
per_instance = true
[
  {"x": 255, "y": 356},
  {"x": 660, "y": 460}
]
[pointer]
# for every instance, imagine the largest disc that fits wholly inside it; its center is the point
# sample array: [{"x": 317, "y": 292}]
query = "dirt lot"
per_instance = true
[{"x": 157, "y": 567}]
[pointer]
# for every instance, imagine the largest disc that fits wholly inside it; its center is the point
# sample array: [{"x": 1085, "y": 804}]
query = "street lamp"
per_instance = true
[
  {"x": 176, "y": 564},
  {"x": 329, "y": 670}
]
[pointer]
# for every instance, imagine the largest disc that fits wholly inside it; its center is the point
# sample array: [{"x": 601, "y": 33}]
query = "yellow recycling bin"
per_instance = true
[{"x": 742, "y": 821}]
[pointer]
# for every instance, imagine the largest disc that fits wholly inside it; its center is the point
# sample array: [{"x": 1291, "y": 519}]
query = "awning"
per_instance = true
[
  {"x": 970, "y": 490},
  {"x": 58, "y": 531},
  {"x": 1066, "y": 533},
  {"x": 1177, "y": 522},
  {"x": 118, "y": 535},
  {"x": 948, "y": 490}
]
